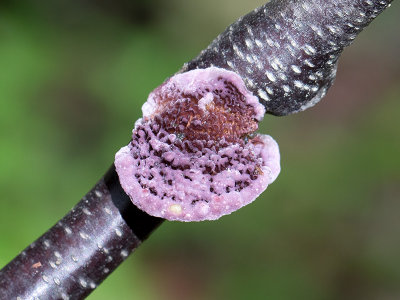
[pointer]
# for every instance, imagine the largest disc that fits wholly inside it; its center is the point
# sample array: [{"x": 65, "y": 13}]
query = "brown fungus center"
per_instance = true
[{"x": 207, "y": 114}]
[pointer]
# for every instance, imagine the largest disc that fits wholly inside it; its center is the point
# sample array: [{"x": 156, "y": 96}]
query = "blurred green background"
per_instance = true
[{"x": 73, "y": 77}]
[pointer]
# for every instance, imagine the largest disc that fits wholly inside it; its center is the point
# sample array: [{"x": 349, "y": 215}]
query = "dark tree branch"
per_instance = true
[
  {"x": 287, "y": 51},
  {"x": 74, "y": 256}
]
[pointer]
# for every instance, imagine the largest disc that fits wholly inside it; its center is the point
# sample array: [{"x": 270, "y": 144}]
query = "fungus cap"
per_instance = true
[{"x": 194, "y": 155}]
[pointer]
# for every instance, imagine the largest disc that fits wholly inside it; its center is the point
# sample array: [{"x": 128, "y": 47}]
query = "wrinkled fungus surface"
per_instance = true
[{"x": 194, "y": 155}]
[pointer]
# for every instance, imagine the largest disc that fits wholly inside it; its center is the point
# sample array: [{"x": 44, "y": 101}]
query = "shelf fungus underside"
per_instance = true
[{"x": 194, "y": 155}]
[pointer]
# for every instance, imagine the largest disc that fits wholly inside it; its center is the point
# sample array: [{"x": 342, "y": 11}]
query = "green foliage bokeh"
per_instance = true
[{"x": 73, "y": 77}]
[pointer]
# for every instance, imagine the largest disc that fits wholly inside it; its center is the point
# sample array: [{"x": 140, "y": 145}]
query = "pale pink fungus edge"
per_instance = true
[
  {"x": 220, "y": 206},
  {"x": 189, "y": 82}
]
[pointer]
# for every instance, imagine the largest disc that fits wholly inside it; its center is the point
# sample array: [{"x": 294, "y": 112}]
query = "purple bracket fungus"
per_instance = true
[{"x": 194, "y": 155}]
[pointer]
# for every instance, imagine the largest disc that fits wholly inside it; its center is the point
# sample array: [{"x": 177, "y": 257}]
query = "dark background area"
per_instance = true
[{"x": 73, "y": 77}]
